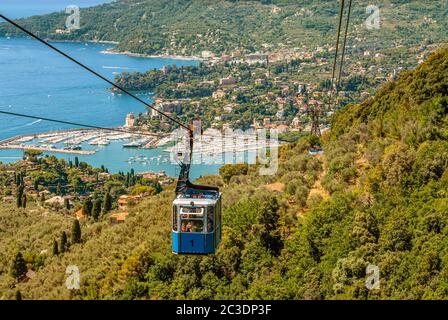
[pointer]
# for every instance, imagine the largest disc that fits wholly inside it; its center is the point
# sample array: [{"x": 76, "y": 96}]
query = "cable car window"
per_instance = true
[
  {"x": 191, "y": 212},
  {"x": 210, "y": 219},
  {"x": 174, "y": 218},
  {"x": 191, "y": 225}
]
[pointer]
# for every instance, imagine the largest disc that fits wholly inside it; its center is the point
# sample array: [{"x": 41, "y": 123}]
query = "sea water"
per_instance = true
[{"x": 38, "y": 81}]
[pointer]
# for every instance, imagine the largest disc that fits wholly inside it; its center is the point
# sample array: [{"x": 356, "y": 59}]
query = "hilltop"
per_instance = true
[{"x": 377, "y": 196}]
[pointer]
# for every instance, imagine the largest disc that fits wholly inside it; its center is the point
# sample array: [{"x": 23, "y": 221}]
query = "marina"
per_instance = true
[
  {"x": 75, "y": 141},
  {"x": 47, "y": 149},
  {"x": 214, "y": 144},
  {"x": 88, "y": 100},
  {"x": 145, "y": 160},
  {"x": 56, "y": 88},
  {"x": 87, "y": 142}
]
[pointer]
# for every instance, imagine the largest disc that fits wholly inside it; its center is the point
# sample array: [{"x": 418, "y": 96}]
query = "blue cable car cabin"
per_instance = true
[{"x": 196, "y": 222}]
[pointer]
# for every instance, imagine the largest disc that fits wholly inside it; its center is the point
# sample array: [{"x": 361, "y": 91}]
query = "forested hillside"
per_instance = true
[
  {"x": 188, "y": 27},
  {"x": 378, "y": 195}
]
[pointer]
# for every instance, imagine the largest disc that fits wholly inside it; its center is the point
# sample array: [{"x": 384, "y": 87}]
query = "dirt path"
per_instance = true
[{"x": 317, "y": 188}]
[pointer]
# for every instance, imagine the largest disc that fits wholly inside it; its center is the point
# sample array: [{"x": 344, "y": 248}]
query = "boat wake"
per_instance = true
[
  {"x": 23, "y": 126},
  {"x": 31, "y": 123},
  {"x": 111, "y": 67}
]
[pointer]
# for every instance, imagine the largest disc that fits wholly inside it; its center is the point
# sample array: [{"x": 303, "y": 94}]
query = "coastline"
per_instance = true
[
  {"x": 64, "y": 41},
  {"x": 47, "y": 149},
  {"x": 128, "y": 53},
  {"x": 113, "y": 156},
  {"x": 85, "y": 41},
  {"x": 144, "y": 55}
]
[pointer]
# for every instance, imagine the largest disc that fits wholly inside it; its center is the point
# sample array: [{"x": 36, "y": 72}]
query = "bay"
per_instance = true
[{"x": 37, "y": 81}]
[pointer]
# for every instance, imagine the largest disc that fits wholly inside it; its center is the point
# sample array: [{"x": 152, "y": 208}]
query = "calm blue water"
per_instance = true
[
  {"x": 24, "y": 8},
  {"x": 37, "y": 81}
]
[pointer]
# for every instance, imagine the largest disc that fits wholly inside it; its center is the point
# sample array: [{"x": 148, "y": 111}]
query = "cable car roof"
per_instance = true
[
  {"x": 199, "y": 192},
  {"x": 195, "y": 201}
]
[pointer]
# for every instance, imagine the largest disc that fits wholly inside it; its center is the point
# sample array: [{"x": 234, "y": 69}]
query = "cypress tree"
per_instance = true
[
  {"x": 18, "y": 268},
  {"x": 64, "y": 243},
  {"x": 87, "y": 207},
  {"x": 18, "y": 178},
  {"x": 66, "y": 204},
  {"x": 158, "y": 187},
  {"x": 96, "y": 209},
  {"x": 76, "y": 232},
  {"x": 107, "y": 202},
  {"x": 76, "y": 162},
  {"x": 268, "y": 219},
  {"x": 18, "y": 295},
  {"x": 24, "y": 200},
  {"x": 55, "y": 248},
  {"x": 127, "y": 184},
  {"x": 19, "y": 195}
]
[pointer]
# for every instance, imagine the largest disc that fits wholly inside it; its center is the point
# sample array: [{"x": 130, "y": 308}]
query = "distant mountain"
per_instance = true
[{"x": 188, "y": 27}]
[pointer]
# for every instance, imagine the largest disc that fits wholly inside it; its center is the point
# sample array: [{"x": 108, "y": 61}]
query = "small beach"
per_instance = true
[{"x": 156, "y": 56}]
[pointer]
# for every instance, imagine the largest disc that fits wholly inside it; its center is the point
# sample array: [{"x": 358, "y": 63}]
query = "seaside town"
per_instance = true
[
  {"x": 72, "y": 141},
  {"x": 276, "y": 89},
  {"x": 90, "y": 196},
  {"x": 317, "y": 170},
  {"x": 271, "y": 90},
  {"x": 283, "y": 89}
]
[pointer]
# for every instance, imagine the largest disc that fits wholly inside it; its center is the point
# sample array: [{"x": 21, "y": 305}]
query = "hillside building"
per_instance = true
[
  {"x": 130, "y": 120},
  {"x": 227, "y": 81}
]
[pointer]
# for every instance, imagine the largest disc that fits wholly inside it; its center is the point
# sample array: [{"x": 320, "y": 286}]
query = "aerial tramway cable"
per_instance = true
[
  {"x": 73, "y": 123},
  {"x": 336, "y": 84},
  {"x": 344, "y": 44},
  {"x": 190, "y": 197},
  {"x": 23, "y": 115},
  {"x": 183, "y": 181},
  {"x": 147, "y": 104},
  {"x": 341, "y": 14},
  {"x": 91, "y": 71}
]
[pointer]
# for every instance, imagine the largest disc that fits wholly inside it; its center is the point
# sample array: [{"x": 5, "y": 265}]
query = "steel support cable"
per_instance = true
[
  {"x": 330, "y": 102},
  {"x": 75, "y": 123},
  {"x": 91, "y": 71},
  {"x": 334, "y": 87},
  {"x": 341, "y": 14},
  {"x": 189, "y": 130},
  {"x": 344, "y": 44}
]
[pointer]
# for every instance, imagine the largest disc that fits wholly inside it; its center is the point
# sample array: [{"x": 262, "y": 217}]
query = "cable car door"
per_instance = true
[{"x": 192, "y": 237}]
